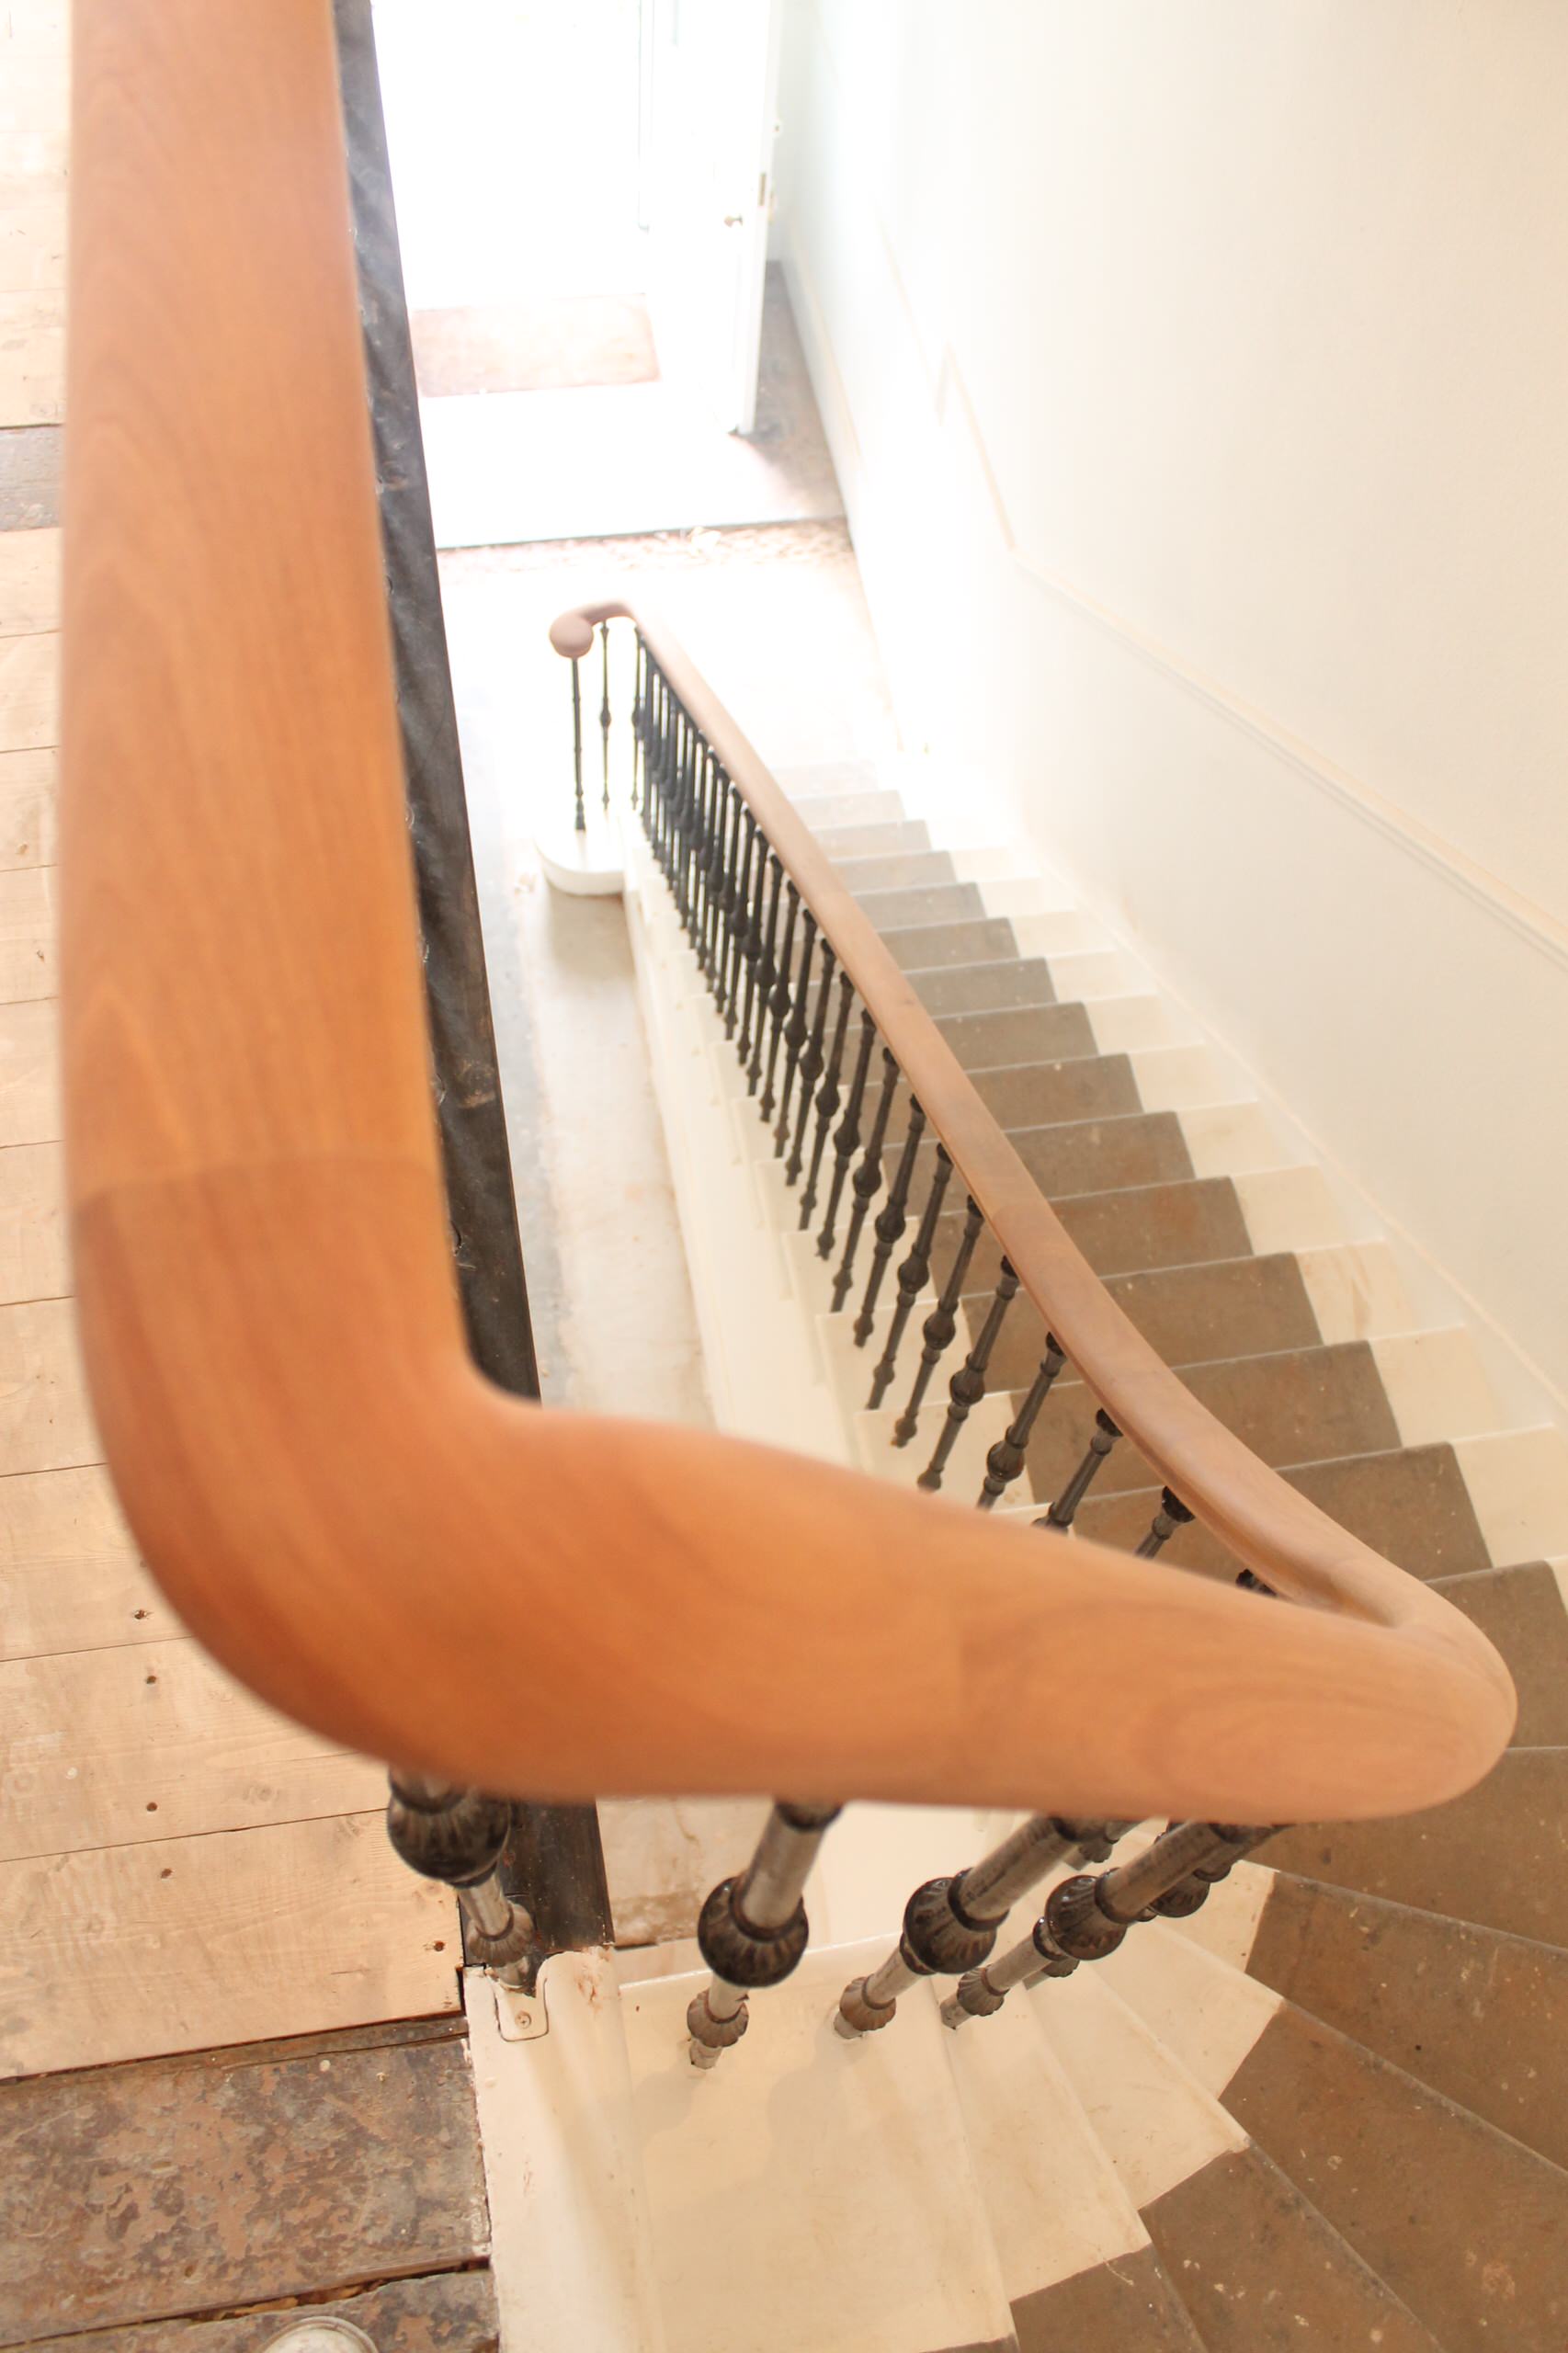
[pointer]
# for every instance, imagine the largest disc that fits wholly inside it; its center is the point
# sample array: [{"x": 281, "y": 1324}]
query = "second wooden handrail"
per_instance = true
[{"x": 349, "y": 1516}]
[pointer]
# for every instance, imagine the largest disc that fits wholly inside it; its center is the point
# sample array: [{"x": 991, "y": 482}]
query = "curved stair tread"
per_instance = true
[
  {"x": 1258, "y": 2267},
  {"x": 1523, "y": 1611},
  {"x": 1077, "y": 2260},
  {"x": 1202, "y": 1314},
  {"x": 1410, "y": 1502},
  {"x": 1496, "y": 1858},
  {"x": 1477, "y": 2016},
  {"x": 1468, "y": 2227}
]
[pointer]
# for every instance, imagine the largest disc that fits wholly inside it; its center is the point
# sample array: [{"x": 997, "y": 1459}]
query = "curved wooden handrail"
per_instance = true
[{"x": 339, "y": 1505}]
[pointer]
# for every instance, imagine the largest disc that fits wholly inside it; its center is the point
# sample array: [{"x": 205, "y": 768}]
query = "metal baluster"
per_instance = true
[
  {"x": 812, "y": 1061},
  {"x": 707, "y": 854},
  {"x": 967, "y": 1386},
  {"x": 740, "y": 953},
  {"x": 580, "y": 817},
  {"x": 1250, "y": 1582},
  {"x": 1104, "y": 1436},
  {"x": 913, "y": 1276},
  {"x": 639, "y": 687},
  {"x": 766, "y": 970},
  {"x": 846, "y": 1140},
  {"x": 779, "y": 997},
  {"x": 827, "y": 1101},
  {"x": 458, "y": 1836},
  {"x": 720, "y": 823},
  {"x": 604, "y": 707},
  {"x": 950, "y": 1924},
  {"x": 1086, "y": 1919},
  {"x": 1173, "y": 1514},
  {"x": 1008, "y": 1455},
  {"x": 940, "y": 1325},
  {"x": 752, "y": 1930},
  {"x": 795, "y": 1030},
  {"x": 685, "y": 797},
  {"x": 868, "y": 1181},
  {"x": 891, "y": 1222}
]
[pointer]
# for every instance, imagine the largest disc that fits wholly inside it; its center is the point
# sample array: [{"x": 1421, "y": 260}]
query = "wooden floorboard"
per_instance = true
[{"x": 133, "y": 2196}]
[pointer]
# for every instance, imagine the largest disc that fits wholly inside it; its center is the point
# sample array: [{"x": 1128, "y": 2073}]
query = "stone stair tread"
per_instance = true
[
  {"x": 1294, "y": 1406},
  {"x": 1128, "y": 1229},
  {"x": 888, "y": 837},
  {"x": 1408, "y": 1503},
  {"x": 1108, "y": 1151},
  {"x": 1226, "y": 1307},
  {"x": 1477, "y": 2015},
  {"x": 1520, "y": 1609},
  {"x": 1329, "y": 2112},
  {"x": 1048, "y": 1093},
  {"x": 1257, "y": 2266},
  {"x": 904, "y": 910},
  {"x": 771, "y": 2228},
  {"x": 937, "y": 946},
  {"x": 824, "y": 811},
  {"x": 984, "y": 1041},
  {"x": 1009, "y": 983},
  {"x": 1076, "y": 2259},
  {"x": 1496, "y": 1858},
  {"x": 908, "y": 870}
]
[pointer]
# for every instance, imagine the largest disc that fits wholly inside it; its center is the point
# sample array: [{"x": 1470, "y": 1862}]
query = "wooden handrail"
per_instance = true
[{"x": 349, "y": 1516}]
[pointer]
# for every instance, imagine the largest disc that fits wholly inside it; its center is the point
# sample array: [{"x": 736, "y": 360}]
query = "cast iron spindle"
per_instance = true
[
  {"x": 458, "y": 1836},
  {"x": 912, "y": 1275},
  {"x": 766, "y": 970},
  {"x": 1103, "y": 1438},
  {"x": 719, "y": 883},
  {"x": 795, "y": 1030},
  {"x": 752, "y": 1929},
  {"x": 827, "y": 1101},
  {"x": 951, "y": 1924},
  {"x": 741, "y": 930},
  {"x": 939, "y": 1326},
  {"x": 967, "y": 1386},
  {"x": 638, "y": 721},
  {"x": 868, "y": 1181},
  {"x": 812, "y": 1061},
  {"x": 779, "y": 999},
  {"x": 846, "y": 1140},
  {"x": 604, "y": 707},
  {"x": 891, "y": 1222},
  {"x": 580, "y": 819},
  {"x": 1007, "y": 1457},
  {"x": 1173, "y": 1514}
]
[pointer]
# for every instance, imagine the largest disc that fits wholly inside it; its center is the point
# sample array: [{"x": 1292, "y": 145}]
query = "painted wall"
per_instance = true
[{"x": 1198, "y": 375}]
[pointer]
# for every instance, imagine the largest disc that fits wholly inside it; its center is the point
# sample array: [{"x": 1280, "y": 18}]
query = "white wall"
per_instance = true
[{"x": 1198, "y": 375}]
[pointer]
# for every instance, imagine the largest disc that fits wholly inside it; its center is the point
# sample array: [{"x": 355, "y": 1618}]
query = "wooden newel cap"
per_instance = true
[{"x": 572, "y": 636}]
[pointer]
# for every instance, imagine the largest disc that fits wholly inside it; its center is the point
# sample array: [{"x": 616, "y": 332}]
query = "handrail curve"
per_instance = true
[{"x": 341, "y": 1509}]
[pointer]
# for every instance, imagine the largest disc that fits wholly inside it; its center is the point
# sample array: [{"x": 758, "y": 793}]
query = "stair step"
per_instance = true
[
  {"x": 1010, "y": 982},
  {"x": 1043, "y": 1094},
  {"x": 938, "y": 947},
  {"x": 909, "y": 870},
  {"x": 1075, "y": 2258},
  {"x": 890, "y": 837},
  {"x": 1098, "y": 1153},
  {"x": 807, "y": 2192},
  {"x": 1496, "y": 1858},
  {"x": 1131, "y": 1230},
  {"x": 1258, "y": 2267},
  {"x": 1478, "y": 2247},
  {"x": 1520, "y": 1610},
  {"x": 904, "y": 910},
  {"x": 1410, "y": 1504},
  {"x": 1231, "y": 1307},
  {"x": 984, "y": 1041},
  {"x": 1480, "y": 2016},
  {"x": 831, "y": 811},
  {"x": 1298, "y": 1406}
]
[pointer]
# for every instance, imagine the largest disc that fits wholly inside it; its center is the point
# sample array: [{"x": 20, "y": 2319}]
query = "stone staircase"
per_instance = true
[{"x": 1329, "y": 2108}]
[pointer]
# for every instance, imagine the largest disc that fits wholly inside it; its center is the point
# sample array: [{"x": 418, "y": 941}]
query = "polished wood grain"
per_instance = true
[{"x": 335, "y": 1502}]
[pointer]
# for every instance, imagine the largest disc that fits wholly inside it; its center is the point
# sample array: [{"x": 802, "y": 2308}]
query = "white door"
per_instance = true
[{"x": 710, "y": 87}]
